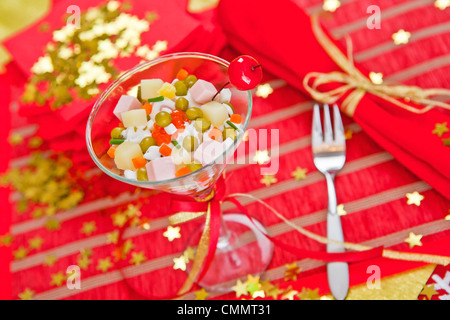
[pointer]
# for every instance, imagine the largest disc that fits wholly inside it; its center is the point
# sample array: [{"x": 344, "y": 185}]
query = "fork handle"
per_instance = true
[{"x": 337, "y": 272}]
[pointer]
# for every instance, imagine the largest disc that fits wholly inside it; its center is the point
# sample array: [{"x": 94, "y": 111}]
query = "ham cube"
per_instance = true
[
  {"x": 208, "y": 151},
  {"x": 126, "y": 103},
  {"x": 202, "y": 91},
  {"x": 160, "y": 169}
]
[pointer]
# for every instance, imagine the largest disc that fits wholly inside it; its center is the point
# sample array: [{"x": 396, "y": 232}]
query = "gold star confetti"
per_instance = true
[
  {"x": 446, "y": 142},
  {"x": 291, "y": 272},
  {"x": 252, "y": 284},
  {"x": 112, "y": 237},
  {"x": 331, "y": 5},
  {"x": 15, "y": 139},
  {"x": 414, "y": 198},
  {"x": 268, "y": 179},
  {"x": 440, "y": 129},
  {"x": 309, "y": 294},
  {"x": 340, "y": 210},
  {"x": 376, "y": 77},
  {"x": 274, "y": 292},
  {"x": 122, "y": 251},
  {"x": 83, "y": 262},
  {"x": 137, "y": 258},
  {"x": 88, "y": 228},
  {"x": 20, "y": 253},
  {"x": 27, "y": 294},
  {"x": 35, "y": 243},
  {"x": 179, "y": 263},
  {"x": 104, "y": 264},
  {"x": 240, "y": 288},
  {"x": 261, "y": 157},
  {"x": 57, "y": 279},
  {"x": 50, "y": 260},
  {"x": 289, "y": 294},
  {"x": 401, "y": 37},
  {"x": 428, "y": 291},
  {"x": 119, "y": 219},
  {"x": 442, "y": 4},
  {"x": 172, "y": 233},
  {"x": 189, "y": 254},
  {"x": 6, "y": 240},
  {"x": 264, "y": 90},
  {"x": 299, "y": 173},
  {"x": 201, "y": 294},
  {"x": 414, "y": 240},
  {"x": 258, "y": 294},
  {"x": 53, "y": 225}
]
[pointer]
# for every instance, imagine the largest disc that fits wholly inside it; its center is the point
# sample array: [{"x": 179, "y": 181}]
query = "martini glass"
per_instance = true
[{"x": 242, "y": 249}]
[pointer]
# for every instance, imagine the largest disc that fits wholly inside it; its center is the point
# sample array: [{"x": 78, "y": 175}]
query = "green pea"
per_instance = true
[
  {"x": 182, "y": 104},
  {"x": 190, "y": 143},
  {"x": 163, "y": 119},
  {"x": 181, "y": 88},
  {"x": 142, "y": 174},
  {"x": 194, "y": 113},
  {"x": 116, "y": 133},
  {"x": 190, "y": 80},
  {"x": 146, "y": 143},
  {"x": 229, "y": 133},
  {"x": 194, "y": 166},
  {"x": 201, "y": 124}
]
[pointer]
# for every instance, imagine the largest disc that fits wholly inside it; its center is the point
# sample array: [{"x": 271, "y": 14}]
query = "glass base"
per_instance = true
[{"x": 241, "y": 250}]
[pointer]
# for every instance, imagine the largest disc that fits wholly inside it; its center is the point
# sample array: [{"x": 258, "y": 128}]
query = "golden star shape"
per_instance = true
[
  {"x": 340, "y": 210},
  {"x": 189, "y": 254},
  {"x": 331, "y": 5},
  {"x": 289, "y": 294},
  {"x": 442, "y": 4},
  {"x": 88, "y": 228},
  {"x": 137, "y": 258},
  {"x": 240, "y": 288},
  {"x": 6, "y": 240},
  {"x": 414, "y": 240},
  {"x": 446, "y": 142},
  {"x": 112, "y": 237},
  {"x": 414, "y": 198},
  {"x": 179, "y": 263},
  {"x": 309, "y": 294},
  {"x": 401, "y": 37},
  {"x": 376, "y": 77},
  {"x": 440, "y": 129},
  {"x": 104, "y": 264},
  {"x": 119, "y": 219},
  {"x": 274, "y": 292},
  {"x": 261, "y": 157},
  {"x": 201, "y": 294},
  {"x": 50, "y": 260},
  {"x": 429, "y": 291},
  {"x": 27, "y": 294},
  {"x": 299, "y": 173},
  {"x": 53, "y": 225},
  {"x": 291, "y": 272},
  {"x": 84, "y": 262},
  {"x": 264, "y": 90},
  {"x": 258, "y": 294},
  {"x": 268, "y": 179},
  {"x": 172, "y": 233},
  {"x": 57, "y": 279},
  {"x": 35, "y": 243},
  {"x": 20, "y": 253}
]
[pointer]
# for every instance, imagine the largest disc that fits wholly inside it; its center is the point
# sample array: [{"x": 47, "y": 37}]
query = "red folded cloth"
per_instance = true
[{"x": 280, "y": 36}]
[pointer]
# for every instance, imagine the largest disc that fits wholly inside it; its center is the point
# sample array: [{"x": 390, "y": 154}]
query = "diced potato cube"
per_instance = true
[
  {"x": 134, "y": 118},
  {"x": 215, "y": 112},
  {"x": 167, "y": 90},
  {"x": 125, "y": 153},
  {"x": 150, "y": 87}
]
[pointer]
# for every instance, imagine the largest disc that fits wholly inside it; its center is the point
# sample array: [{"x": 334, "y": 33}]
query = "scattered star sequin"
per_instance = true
[
  {"x": 401, "y": 37},
  {"x": 261, "y": 156},
  {"x": 414, "y": 240},
  {"x": 291, "y": 272},
  {"x": 201, "y": 294},
  {"x": 331, "y": 5},
  {"x": 88, "y": 228},
  {"x": 289, "y": 294},
  {"x": 35, "y": 243},
  {"x": 442, "y": 4},
  {"x": 57, "y": 279},
  {"x": 172, "y": 233},
  {"x": 299, "y": 173},
  {"x": 137, "y": 258},
  {"x": 50, "y": 260},
  {"x": 268, "y": 180},
  {"x": 309, "y": 294},
  {"x": 428, "y": 291},
  {"x": 179, "y": 263},
  {"x": 340, "y": 210},
  {"x": 414, "y": 198},
  {"x": 27, "y": 294},
  {"x": 104, "y": 264},
  {"x": 440, "y": 129},
  {"x": 376, "y": 77},
  {"x": 20, "y": 253},
  {"x": 240, "y": 288},
  {"x": 264, "y": 90}
]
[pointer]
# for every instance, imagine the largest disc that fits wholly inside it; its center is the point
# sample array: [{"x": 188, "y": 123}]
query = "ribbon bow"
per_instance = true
[{"x": 358, "y": 84}]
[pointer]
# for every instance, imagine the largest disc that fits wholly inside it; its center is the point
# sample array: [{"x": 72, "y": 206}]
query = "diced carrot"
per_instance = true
[
  {"x": 236, "y": 118},
  {"x": 182, "y": 74},
  {"x": 139, "y": 162},
  {"x": 165, "y": 150},
  {"x": 112, "y": 151},
  {"x": 215, "y": 133},
  {"x": 182, "y": 172},
  {"x": 148, "y": 108}
]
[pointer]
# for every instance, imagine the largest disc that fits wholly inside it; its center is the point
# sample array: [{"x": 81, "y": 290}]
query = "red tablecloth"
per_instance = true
[{"x": 372, "y": 186}]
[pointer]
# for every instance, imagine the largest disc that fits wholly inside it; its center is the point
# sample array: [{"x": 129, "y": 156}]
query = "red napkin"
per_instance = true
[{"x": 280, "y": 36}]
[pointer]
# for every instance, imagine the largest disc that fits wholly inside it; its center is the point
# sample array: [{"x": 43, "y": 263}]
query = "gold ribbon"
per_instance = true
[{"x": 356, "y": 82}]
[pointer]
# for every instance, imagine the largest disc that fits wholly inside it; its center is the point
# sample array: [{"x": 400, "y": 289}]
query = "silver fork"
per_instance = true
[{"x": 329, "y": 158}]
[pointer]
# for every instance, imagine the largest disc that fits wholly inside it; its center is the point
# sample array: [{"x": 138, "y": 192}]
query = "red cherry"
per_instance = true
[{"x": 245, "y": 72}]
